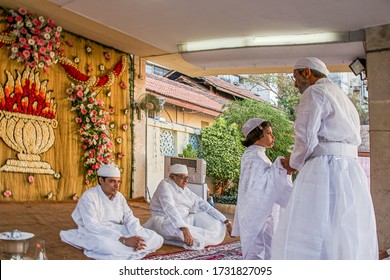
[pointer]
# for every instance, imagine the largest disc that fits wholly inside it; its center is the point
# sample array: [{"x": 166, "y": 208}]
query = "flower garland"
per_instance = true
[
  {"x": 93, "y": 118},
  {"x": 37, "y": 39},
  {"x": 105, "y": 80}
]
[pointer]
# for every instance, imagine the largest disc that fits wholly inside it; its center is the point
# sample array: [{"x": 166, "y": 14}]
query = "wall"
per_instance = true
[
  {"x": 64, "y": 157},
  {"x": 155, "y": 166},
  {"x": 378, "y": 69},
  {"x": 175, "y": 114}
]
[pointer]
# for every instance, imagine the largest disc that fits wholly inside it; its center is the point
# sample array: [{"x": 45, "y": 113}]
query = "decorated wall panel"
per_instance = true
[{"x": 64, "y": 110}]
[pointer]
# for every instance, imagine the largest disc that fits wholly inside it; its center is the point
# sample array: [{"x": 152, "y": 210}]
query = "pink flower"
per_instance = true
[
  {"x": 50, "y": 22},
  {"x": 83, "y": 111},
  {"x": 30, "y": 178},
  {"x": 7, "y": 193},
  {"x": 90, "y": 172},
  {"x": 79, "y": 87},
  {"x": 107, "y": 55},
  {"x": 122, "y": 85},
  {"x": 119, "y": 155},
  {"x": 124, "y": 127},
  {"x": 80, "y": 93},
  {"x": 22, "y": 11},
  {"x": 26, "y": 53},
  {"x": 69, "y": 43},
  {"x": 75, "y": 196}
]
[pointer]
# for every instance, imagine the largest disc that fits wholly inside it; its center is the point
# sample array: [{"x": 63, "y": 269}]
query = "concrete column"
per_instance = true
[{"x": 378, "y": 72}]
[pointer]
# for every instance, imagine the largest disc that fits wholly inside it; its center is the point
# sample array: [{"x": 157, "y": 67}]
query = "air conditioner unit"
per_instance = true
[
  {"x": 196, "y": 168},
  {"x": 196, "y": 172}
]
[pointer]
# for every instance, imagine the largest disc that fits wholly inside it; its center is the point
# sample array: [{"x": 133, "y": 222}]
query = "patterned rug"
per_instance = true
[{"x": 227, "y": 251}]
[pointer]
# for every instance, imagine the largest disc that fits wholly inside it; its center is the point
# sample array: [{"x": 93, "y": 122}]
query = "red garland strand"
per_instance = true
[{"x": 99, "y": 81}]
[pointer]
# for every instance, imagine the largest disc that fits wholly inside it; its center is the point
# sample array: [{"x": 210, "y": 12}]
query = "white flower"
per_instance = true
[
  {"x": 31, "y": 42},
  {"x": 41, "y": 19},
  {"x": 29, "y": 24},
  {"x": 47, "y": 36},
  {"x": 59, "y": 29},
  {"x": 41, "y": 64},
  {"x": 14, "y": 49}
]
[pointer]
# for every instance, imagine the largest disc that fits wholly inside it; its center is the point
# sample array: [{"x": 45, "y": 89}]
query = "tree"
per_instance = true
[
  {"x": 238, "y": 112},
  {"x": 360, "y": 105},
  {"x": 282, "y": 86},
  {"x": 221, "y": 149}
]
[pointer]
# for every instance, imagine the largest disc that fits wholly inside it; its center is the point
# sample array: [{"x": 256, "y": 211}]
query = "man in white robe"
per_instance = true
[
  {"x": 183, "y": 218},
  {"x": 264, "y": 187},
  {"x": 107, "y": 228},
  {"x": 330, "y": 214}
]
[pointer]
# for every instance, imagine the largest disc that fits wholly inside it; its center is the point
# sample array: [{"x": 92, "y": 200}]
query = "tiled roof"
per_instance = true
[
  {"x": 183, "y": 95},
  {"x": 234, "y": 90}
]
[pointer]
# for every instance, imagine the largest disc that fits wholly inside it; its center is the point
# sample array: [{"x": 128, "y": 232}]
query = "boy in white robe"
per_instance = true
[
  {"x": 262, "y": 188},
  {"x": 107, "y": 228},
  {"x": 330, "y": 214},
  {"x": 183, "y": 218}
]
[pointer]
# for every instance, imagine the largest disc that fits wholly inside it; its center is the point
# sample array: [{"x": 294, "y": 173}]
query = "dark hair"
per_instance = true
[{"x": 255, "y": 134}]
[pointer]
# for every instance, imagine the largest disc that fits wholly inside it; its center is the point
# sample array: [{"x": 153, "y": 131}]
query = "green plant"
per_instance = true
[
  {"x": 221, "y": 148},
  {"x": 189, "y": 152},
  {"x": 238, "y": 112}
]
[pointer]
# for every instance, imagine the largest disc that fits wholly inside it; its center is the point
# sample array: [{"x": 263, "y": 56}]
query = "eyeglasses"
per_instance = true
[
  {"x": 299, "y": 71},
  {"x": 186, "y": 178}
]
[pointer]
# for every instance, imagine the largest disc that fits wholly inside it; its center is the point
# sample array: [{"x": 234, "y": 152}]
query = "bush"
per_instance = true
[{"x": 221, "y": 142}]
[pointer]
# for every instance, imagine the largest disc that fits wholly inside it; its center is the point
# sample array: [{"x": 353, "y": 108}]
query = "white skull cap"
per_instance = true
[
  {"x": 311, "y": 63},
  {"x": 109, "y": 170},
  {"x": 250, "y": 125},
  {"x": 178, "y": 169}
]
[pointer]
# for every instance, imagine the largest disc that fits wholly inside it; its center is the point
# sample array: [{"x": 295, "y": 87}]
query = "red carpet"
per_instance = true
[{"x": 227, "y": 251}]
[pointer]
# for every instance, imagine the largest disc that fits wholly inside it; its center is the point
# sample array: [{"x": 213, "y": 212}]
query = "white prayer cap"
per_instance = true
[
  {"x": 250, "y": 125},
  {"x": 311, "y": 63},
  {"x": 109, "y": 170},
  {"x": 178, "y": 169}
]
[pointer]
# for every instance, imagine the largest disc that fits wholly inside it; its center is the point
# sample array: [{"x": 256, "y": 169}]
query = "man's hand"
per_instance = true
[
  {"x": 229, "y": 226},
  {"x": 188, "y": 240},
  {"x": 136, "y": 242},
  {"x": 286, "y": 165}
]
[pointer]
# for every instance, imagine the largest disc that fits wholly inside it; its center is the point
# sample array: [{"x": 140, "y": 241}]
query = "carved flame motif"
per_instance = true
[
  {"x": 26, "y": 122},
  {"x": 27, "y": 95}
]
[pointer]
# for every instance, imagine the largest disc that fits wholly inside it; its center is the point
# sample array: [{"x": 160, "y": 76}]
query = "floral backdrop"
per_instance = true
[{"x": 88, "y": 88}]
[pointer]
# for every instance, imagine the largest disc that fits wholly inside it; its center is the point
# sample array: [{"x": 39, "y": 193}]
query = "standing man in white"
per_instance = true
[
  {"x": 183, "y": 218},
  {"x": 107, "y": 228},
  {"x": 330, "y": 214}
]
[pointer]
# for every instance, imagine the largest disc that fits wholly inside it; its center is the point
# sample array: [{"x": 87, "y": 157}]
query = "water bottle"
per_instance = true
[{"x": 40, "y": 251}]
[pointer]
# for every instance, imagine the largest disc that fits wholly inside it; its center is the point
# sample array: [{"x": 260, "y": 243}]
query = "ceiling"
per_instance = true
[{"x": 153, "y": 29}]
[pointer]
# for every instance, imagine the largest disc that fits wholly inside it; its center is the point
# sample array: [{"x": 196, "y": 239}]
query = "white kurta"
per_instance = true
[
  {"x": 173, "y": 207},
  {"x": 330, "y": 214},
  {"x": 262, "y": 185},
  {"x": 101, "y": 222}
]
